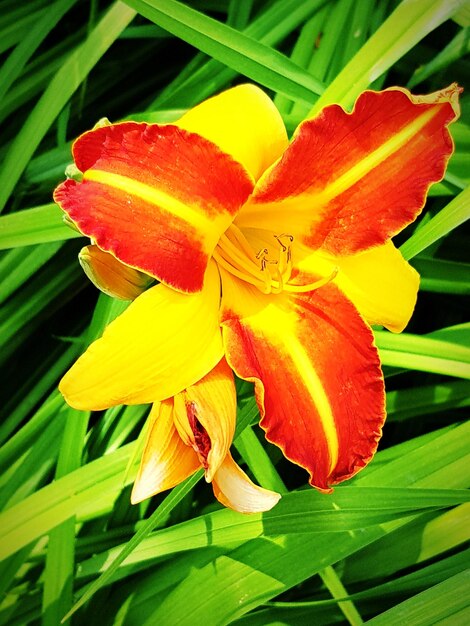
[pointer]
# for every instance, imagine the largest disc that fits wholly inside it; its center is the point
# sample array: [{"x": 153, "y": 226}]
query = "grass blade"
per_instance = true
[
  {"x": 12, "y": 67},
  {"x": 436, "y": 605},
  {"x": 406, "y": 26},
  {"x": 242, "y": 53},
  {"x": 454, "y": 214},
  {"x": 161, "y": 512},
  {"x": 31, "y": 226},
  {"x": 66, "y": 81}
]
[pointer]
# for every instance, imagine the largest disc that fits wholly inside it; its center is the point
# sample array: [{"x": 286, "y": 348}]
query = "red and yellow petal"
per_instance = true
[
  {"x": 111, "y": 276},
  {"x": 349, "y": 182},
  {"x": 379, "y": 282},
  {"x": 234, "y": 489},
  {"x": 205, "y": 416},
  {"x": 244, "y": 123},
  {"x": 166, "y": 460},
  {"x": 156, "y": 197},
  {"x": 164, "y": 342},
  {"x": 323, "y": 410}
]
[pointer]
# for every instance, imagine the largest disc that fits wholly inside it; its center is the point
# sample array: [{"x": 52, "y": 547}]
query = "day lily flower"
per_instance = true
[{"x": 273, "y": 257}]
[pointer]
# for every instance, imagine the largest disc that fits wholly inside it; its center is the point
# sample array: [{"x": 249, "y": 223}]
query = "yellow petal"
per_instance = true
[
  {"x": 205, "y": 416},
  {"x": 112, "y": 277},
  {"x": 381, "y": 284},
  {"x": 166, "y": 460},
  {"x": 234, "y": 489},
  {"x": 379, "y": 281},
  {"x": 164, "y": 342},
  {"x": 244, "y": 123}
]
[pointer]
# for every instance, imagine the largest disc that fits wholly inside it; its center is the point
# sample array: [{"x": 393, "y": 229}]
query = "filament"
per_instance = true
[{"x": 237, "y": 257}]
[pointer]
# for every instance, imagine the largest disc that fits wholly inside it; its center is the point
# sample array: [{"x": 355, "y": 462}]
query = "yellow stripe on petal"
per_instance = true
[
  {"x": 166, "y": 460},
  {"x": 242, "y": 122},
  {"x": 161, "y": 200},
  {"x": 319, "y": 199},
  {"x": 350, "y": 181},
  {"x": 157, "y": 197},
  {"x": 164, "y": 342},
  {"x": 270, "y": 321},
  {"x": 316, "y": 372},
  {"x": 234, "y": 489},
  {"x": 276, "y": 320},
  {"x": 370, "y": 162},
  {"x": 313, "y": 383}
]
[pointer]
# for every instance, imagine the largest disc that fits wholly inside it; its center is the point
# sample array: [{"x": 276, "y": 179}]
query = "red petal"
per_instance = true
[
  {"x": 351, "y": 181},
  {"x": 317, "y": 374},
  {"x": 157, "y": 197}
]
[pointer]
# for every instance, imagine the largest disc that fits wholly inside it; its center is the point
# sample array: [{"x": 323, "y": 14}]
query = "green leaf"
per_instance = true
[
  {"x": 262, "y": 568},
  {"x": 305, "y": 512},
  {"x": 427, "y": 537},
  {"x": 270, "y": 26},
  {"x": 31, "y": 226},
  {"x": 88, "y": 490},
  {"x": 423, "y": 353},
  {"x": 244, "y": 54},
  {"x": 458, "y": 47},
  {"x": 441, "y": 276},
  {"x": 407, "y": 25},
  {"x": 161, "y": 512},
  {"x": 12, "y": 67},
  {"x": 404, "y": 404},
  {"x": 19, "y": 444},
  {"x": 18, "y": 265},
  {"x": 434, "y": 606},
  {"x": 63, "y": 85},
  {"x": 253, "y": 453},
  {"x": 453, "y": 215}
]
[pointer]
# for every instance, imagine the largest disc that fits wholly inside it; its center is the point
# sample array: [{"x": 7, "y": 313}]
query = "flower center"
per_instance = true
[{"x": 269, "y": 275}]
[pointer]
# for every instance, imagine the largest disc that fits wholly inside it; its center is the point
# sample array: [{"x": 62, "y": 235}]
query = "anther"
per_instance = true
[
  {"x": 261, "y": 256},
  {"x": 285, "y": 255},
  {"x": 283, "y": 246}
]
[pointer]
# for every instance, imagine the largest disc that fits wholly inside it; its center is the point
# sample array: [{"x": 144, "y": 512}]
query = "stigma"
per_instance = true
[{"x": 268, "y": 270}]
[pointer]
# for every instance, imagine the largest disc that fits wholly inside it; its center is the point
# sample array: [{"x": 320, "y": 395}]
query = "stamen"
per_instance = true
[
  {"x": 235, "y": 233},
  {"x": 285, "y": 257},
  {"x": 261, "y": 255},
  {"x": 235, "y": 255},
  {"x": 234, "y": 251},
  {"x": 235, "y": 272},
  {"x": 279, "y": 237},
  {"x": 312, "y": 286},
  {"x": 280, "y": 282}
]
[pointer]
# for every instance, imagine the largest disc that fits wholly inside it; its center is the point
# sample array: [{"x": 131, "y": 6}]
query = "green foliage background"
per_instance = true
[{"x": 388, "y": 547}]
